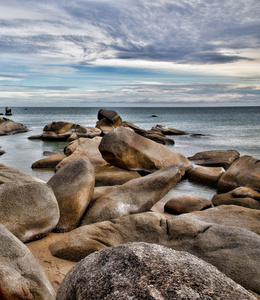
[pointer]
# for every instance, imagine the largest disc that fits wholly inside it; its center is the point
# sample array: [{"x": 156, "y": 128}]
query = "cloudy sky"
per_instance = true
[{"x": 129, "y": 52}]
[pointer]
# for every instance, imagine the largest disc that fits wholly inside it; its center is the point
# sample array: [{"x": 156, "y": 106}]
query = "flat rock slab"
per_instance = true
[
  {"x": 242, "y": 196},
  {"x": 206, "y": 175},
  {"x": 234, "y": 251},
  {"x": 186, "y": 204},
  {"x": 49, "y": 162},
  {"x": 147, "y": 271},
  {"x": 215, "y": 158},
  {"x": 21, "y": 277},
  {"x": 125, "y": 149},
  {"x": 245, "y": 171}
]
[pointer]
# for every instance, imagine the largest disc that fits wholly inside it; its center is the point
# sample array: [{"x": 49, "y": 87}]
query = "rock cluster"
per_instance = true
[{"x": 99, "y": 207}]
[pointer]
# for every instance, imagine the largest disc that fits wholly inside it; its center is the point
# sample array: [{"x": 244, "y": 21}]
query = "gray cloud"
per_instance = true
[{"x": 178, "y": 31}]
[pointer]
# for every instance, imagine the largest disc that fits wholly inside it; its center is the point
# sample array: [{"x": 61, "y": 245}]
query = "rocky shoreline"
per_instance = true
[{"x": 102, "y": 209}]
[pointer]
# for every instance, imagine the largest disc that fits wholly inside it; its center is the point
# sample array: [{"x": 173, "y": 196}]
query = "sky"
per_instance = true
[{"x": 129, "y": 53}]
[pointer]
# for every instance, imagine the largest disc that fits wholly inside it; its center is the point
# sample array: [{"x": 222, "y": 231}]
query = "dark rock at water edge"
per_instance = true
[
  {"x": 147, "y": 271},
  {"x": 8, "y": 111}
]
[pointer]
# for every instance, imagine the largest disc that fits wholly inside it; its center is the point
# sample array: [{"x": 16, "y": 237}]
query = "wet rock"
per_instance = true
[
  {"x": 73, "y": 186},
  {"x": 245, "y": 171},
  {"x": 10, "y": 127},
  {"x": 28, "y": 210},
  {"x": 205, "y": 175},
  {"x": 147, "y": 271},
  {"x": 158, "y": 136},
  {"x": 49, "y": 162},
  {"x": 137, "y": 195},
  {"x": 230, "y": 249},
  {"x": 63, "y": 131},
  {"x": 169, "y": 131},
  {"x": 125, "y": 149},
  {"x": 215, "y": 158},
  {"x": 21, "y": 277},
  {"x": 186, "y": 204},
  {"x": 110, "y": 175},
  {"x": 241, "y": 196}
]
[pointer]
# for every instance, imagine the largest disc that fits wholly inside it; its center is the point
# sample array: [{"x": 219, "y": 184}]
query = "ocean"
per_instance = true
[{"x": 218, "y": 128}]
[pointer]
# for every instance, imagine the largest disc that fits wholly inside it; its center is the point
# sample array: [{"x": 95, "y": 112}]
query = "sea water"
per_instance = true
[{"x": 218, "y": 128}]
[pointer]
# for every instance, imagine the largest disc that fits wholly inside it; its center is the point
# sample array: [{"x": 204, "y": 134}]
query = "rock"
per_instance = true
[
  {"x": 64, "y": 130},
  {"x": 125, "y": 149},
  {"x": 229, "y": 215},
  {"x": 21, "y": 277},
  {"x": 10, "y": 127},
  {"x": 205, "y": 175},
  {"x": 154, "y": 134},
  {"x": 158, "y": 137},
  {"x": 186, "y": 204},
  {"x": 245, "y": 171},
  {"x": 169, "y": 131},
  {"x": 49, "y": 162},
  {"x": 137, "y": 195},
  {"x": 35, "y": 137},
  {"x": 73, "y": 186},
  {"x": 108, "y": 120},
  {"x": 28, "y": 210},
  {"x": 147, "y": 271},
  {"x": 2, "y": 151},
  {"x": 11, "y": 174},
  {"x": 241, "y": 196},
  {"x": 8, "y": 111},
  {"x": 215, "y": 158},
  {"x": 153, "y": 116},
  {"x": 83, "y": 147},
  {"x": 111, "y": 116},
  {"x": 110, "y": 175},
  {"x": 234, "y": 251},
  {"x": 55, "y": 268}
]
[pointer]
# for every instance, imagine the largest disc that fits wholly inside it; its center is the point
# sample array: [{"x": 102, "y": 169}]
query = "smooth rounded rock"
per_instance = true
[
  {"x": 147, "y": 271},
  {"x": 21, "y": 277},
  {"x": 134, "y": 196},
  {"x": 245, "y": 171},
  {"x": 28, "y": 210},
  {"x": 186, "y": 204},
  {"x": 73, "y": 186},
  {"x": 49, "y": 162},
  {"x": 242, "y": 196},
  {"x": 205, "y": 175},
  {"x": 125, "y": 149},
  {"x": 10, "y": 127},
  {"x": 215, "y": 158}
]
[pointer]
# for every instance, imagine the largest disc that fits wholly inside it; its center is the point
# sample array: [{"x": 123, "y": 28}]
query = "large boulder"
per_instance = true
[
  {"x": 147, "y": 271},
  {"x": 242, "y": 196},
  {"x": 29, "y": 208},
  {"x": 83, "y": 147},
  {"x": 63, "y": 130},
  {"x": 21, "y": 277},
  {"x": 125, "y": 149},
  {"x": 73, "y": 186},
  {"x": 10, "y": 127},
  {"x": 137, "y": 195},
  {"x": 205, "y": 175},
  {"x": 234, "y": 251},
  {"x": 186, "y": 204},
  {"x": 245, "y": 171},
  {"x": 215, "y": 158}
]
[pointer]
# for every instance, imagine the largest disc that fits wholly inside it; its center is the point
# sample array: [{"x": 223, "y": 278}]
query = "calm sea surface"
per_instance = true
[{"x": 223, "y": 128}]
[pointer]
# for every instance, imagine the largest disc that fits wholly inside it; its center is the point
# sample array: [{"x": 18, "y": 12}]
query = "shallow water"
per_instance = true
[{"x": 224, "y": 128}]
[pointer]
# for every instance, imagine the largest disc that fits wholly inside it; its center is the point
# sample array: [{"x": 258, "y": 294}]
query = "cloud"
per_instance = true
[{"x": 177, "y": 31}]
